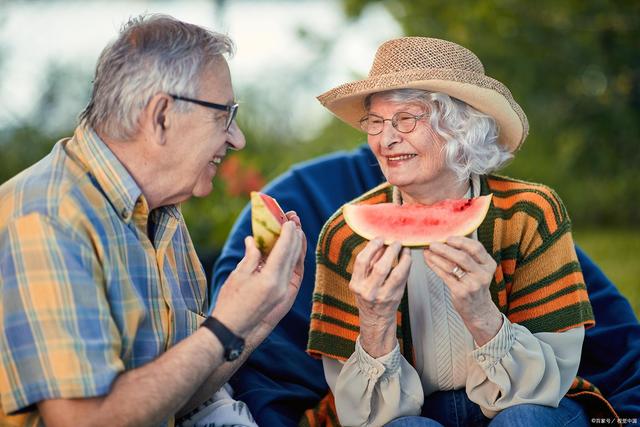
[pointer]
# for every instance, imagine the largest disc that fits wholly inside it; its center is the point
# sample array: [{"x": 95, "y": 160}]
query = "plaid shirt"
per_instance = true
[{"x": 84, "y": 293}]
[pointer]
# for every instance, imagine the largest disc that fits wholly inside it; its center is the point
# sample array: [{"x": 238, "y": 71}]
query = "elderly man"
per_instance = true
[{"x": 101, "y": 291}]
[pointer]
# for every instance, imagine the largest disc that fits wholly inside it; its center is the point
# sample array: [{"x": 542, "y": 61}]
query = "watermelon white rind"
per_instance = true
[
  {"x": 415, "y": 225},
  {"x": 266, "y": 221}
]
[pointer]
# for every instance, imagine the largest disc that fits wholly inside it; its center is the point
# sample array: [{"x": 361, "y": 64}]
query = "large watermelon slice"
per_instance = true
[
  {"x": 417, "y": 225},
  {"x": 266, "y": 221}
]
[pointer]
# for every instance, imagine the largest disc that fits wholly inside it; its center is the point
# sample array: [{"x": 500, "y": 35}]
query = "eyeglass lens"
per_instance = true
[{"x": 404, "y": 122}]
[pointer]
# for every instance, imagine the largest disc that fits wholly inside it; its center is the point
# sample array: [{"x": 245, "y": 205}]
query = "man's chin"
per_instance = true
[{"x": 202, "y": 190}]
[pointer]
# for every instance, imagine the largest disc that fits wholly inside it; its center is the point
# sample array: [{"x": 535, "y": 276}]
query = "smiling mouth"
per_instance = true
[
  {"x": 216, "y": 160},
  {"x": 401, "y": 157}
]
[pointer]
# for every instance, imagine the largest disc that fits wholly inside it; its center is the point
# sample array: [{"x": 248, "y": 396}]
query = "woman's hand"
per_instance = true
[
  {"x": 378, "y": 287},
  {"x": 467, "y": 269}
]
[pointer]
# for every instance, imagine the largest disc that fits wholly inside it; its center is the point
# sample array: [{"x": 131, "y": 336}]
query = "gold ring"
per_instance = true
[{"x": 458, "y": 272}]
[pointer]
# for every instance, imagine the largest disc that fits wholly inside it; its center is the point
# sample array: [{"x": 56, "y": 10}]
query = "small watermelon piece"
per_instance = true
[
  {"x": 415, "y": 225},
  {"x": 267, "y": 218}
]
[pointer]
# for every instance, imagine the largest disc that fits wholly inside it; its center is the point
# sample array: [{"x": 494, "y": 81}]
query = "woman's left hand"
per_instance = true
[{"x": 467, "y": 269}]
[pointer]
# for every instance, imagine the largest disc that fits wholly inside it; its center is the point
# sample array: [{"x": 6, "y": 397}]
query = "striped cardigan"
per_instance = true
[{"x": 537, "y": 284}]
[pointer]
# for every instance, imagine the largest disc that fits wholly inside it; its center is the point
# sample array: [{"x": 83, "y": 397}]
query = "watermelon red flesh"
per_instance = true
[
  {"x": 274, "y": 208},
  {"x": 417, "y": 225}
]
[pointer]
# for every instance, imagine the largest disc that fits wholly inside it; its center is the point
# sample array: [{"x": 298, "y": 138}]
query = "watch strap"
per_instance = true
[{"x": 233, "y": 345}]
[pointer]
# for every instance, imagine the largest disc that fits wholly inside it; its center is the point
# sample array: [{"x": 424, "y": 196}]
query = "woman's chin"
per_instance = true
[{"x": 398, "y": 181}]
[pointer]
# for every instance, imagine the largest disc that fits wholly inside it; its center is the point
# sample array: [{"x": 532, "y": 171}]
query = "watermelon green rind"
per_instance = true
[{"x": 417, "y": 225}]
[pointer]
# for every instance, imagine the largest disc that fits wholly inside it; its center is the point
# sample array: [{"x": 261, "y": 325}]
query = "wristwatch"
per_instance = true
[{"x": 233, "y": 345}]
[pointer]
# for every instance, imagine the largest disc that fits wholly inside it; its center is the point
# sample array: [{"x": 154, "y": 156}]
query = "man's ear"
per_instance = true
[{"x": 157, "y": 117}]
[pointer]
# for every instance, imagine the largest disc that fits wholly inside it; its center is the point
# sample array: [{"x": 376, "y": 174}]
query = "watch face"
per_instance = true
[{"x": 234, "y": 353}]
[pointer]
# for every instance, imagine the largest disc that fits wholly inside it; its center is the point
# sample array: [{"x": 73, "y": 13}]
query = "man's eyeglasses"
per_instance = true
[
  {"x": 404, "y": 122},
  {"x": 232, "y": 110}
]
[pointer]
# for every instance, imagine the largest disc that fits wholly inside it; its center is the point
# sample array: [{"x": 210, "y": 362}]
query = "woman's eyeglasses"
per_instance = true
[{"x": 404, "y": 122}]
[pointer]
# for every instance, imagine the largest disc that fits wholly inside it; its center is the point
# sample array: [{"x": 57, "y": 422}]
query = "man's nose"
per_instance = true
[{"x": 235, "y": 137}]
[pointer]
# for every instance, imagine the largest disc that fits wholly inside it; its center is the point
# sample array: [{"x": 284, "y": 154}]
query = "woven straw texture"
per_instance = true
[{"x": 437, "y": 65}]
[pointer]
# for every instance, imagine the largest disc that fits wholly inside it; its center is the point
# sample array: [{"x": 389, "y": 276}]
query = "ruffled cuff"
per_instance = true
[
  {"x": 499, "y": 346},
  {"x": 381, "y": 367}
]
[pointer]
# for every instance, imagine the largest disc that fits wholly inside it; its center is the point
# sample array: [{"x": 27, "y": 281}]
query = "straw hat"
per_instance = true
[{"x": 434, "y": 65}]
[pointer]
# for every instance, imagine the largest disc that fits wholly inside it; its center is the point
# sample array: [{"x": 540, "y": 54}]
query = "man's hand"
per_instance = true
[
  {"x": 282, "y": 308},
  {"x": 258, "y": 293},
  {"x": 255, "y": 297}
]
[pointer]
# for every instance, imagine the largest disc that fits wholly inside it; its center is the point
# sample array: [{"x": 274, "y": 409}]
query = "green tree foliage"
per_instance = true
[
  {"x": 574, "y": 67},
  {"x": 20, "y": 147}
]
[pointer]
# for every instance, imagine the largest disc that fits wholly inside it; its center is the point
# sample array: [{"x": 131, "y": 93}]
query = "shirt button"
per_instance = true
[
  {"x": 482, "y": 358},
  {"x": 124, "y": 213}
]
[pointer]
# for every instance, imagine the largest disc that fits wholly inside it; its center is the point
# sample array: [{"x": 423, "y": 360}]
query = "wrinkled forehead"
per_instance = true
[{"x": 215, "y": 81}]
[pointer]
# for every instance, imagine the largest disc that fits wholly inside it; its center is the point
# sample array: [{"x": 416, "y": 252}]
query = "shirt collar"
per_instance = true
[{"x": 111, "y": 175}]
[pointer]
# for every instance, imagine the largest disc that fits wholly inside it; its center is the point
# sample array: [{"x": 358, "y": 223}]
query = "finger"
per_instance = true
[
  {"x": 474, "y": 248},
  {"x": 303, "y": 252},
  {"x": 296, "y": 250},
  {"x": 449, "y": 280},
  {"x": 293, "y": 216},
  {"x": 284, "y": 271},
  {"x": 400, "y": 273},
  {"x": 299, "y": 251},
  {"x": 383, "y": 266},
  {"x": 284, "y": 250},
  {"x": 435, "y": 260},
  {"x": 377, "y": 255},
  {"x": 252, "y": 256},
  {"x": 456, "y": 257},
  {"x": 364, "y": 259}
]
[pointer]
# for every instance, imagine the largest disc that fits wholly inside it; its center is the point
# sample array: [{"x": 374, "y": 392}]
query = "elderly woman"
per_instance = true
[{"x": 477, "y": 330}]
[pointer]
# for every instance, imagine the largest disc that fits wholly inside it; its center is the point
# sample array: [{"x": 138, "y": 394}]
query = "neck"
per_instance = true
[
  {"x": 434, "y": 192},
  {"x": 141, "y": 166}
]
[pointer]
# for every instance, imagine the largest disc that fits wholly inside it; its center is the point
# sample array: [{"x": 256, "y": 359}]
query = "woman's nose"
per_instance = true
[{"x": 389, "y": 135}]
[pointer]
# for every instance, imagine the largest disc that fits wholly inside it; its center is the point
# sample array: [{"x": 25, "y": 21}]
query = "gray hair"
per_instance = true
[
  {"x": 471, "y": 136},
  {"x": 153, "y": 53}
]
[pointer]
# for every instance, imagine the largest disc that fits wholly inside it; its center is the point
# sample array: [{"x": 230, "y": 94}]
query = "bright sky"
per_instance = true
[{"x": 34, "y": 35}]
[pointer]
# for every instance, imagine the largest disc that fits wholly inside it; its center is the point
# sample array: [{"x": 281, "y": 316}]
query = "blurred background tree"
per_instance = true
[{"x": 572, "y": 65}]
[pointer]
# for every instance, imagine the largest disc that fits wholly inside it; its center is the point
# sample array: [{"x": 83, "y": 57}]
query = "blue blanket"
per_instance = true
[{"x": 279, "y": 380}]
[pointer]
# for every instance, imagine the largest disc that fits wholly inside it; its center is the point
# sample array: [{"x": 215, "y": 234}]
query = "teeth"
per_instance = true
[
  {"x": 216, "y": 160},
  {"x": 403, "y": 157}
]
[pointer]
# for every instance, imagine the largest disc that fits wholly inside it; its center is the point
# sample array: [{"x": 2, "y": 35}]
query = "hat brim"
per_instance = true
[{"x": 485, "y": 94}]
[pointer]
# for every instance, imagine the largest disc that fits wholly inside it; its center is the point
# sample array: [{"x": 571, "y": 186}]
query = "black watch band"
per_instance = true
[{"x": 233, "y": 345}]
